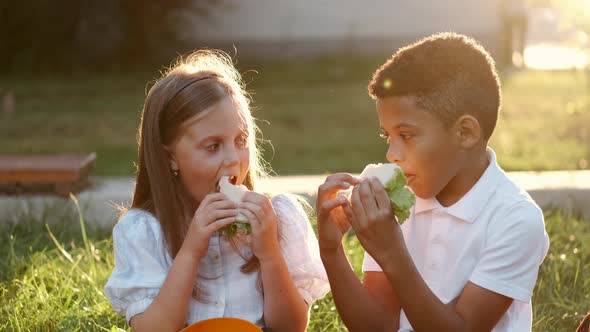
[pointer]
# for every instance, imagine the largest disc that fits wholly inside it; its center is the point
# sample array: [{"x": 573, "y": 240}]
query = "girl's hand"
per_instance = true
[
  {"x": 333, "y": 223},
  {"x": 263, "y": 220},
  {"x": 373, "y": 219},
  {"x": 214, "y": 212}
]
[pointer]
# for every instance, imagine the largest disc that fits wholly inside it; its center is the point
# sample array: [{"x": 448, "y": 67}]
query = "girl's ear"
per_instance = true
[
  {"x": 468, "y": 131},
  {"x": 172, "y": 159}
]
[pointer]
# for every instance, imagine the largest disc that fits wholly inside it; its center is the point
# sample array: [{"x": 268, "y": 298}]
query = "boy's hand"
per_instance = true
[
  {"x": 215, "y": 211},
  {"x": 373, "y": 219},
  {"x": 332, "y": 221},
  {"x": 263, "y": 220}
]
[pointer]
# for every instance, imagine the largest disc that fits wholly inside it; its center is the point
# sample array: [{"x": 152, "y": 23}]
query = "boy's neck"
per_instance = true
[{"x": 467, "y": 176}]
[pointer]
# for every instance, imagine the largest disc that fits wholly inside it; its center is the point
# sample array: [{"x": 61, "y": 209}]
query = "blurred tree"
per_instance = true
[
  {"x": 576, "y": 13},
  {"x": 57, "y": 34},
  {"x": 36, "y": 33}
]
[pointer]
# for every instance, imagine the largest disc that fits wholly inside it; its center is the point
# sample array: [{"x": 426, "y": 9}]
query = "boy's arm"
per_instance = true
[
  {"x": 476, "y": 308},
  {"x": 371, "y": 307}
]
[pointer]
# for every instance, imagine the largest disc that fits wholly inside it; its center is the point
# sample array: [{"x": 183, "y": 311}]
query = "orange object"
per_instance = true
[{"x": 225, "y": 324}]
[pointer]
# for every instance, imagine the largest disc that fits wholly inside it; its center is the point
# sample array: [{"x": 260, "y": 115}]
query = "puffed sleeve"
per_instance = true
[
  {"x": 141, "y": 263},
  {"x": 515, "y": 248},
  {"x": 300, "y": 249}
]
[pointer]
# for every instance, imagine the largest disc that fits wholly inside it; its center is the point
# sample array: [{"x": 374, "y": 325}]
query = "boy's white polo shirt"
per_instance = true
[{"x": 494, "y": 237}]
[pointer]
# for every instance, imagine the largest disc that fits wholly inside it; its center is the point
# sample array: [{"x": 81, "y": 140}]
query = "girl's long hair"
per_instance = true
[{"x": 193, "y": 84}]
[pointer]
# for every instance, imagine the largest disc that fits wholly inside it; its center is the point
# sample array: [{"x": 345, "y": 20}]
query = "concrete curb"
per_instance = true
[{"x": 567, "y": 190}]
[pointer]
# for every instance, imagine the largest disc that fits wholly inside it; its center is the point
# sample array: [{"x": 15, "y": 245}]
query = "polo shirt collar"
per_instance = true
[{"x": 473, "y": 202}]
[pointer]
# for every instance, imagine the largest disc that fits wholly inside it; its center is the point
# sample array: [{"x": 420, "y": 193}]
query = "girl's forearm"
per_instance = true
[
  {"x": 284, "y": 308},
  {"x": 358, "y": 310},
  {"x": 169, "y": 309}
]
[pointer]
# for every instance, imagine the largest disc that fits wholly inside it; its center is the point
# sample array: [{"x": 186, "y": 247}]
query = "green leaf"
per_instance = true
[
  {"x": 401, "y": 197},
  {"x": 238, "y": 227}
]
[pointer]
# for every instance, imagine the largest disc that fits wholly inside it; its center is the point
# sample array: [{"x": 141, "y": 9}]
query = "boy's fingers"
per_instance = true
[
  {"x": 350, "y": 214},
  {"x": 343, "y": 177},
  {"x": 335, "y": 183},
  {"x": 328, "y": 206},
  {"x": 357, "y": 206},
  {"x": 381, "y": 197},
  {"x": 367, "y": 197}
]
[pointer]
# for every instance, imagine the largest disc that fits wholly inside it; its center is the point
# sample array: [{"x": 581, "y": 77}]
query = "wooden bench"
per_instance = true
[{"x": 59, "y": 174}]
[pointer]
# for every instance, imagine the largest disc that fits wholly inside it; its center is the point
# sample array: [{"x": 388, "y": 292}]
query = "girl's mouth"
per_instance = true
[{"x": 232, "y": 179}]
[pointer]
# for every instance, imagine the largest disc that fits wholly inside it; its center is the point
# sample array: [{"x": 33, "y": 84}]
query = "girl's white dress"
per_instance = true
[{"x": 142, "y": 263}]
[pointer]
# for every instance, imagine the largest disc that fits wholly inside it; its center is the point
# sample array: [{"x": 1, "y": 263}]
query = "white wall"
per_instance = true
[{"x": 285, "y": 21}]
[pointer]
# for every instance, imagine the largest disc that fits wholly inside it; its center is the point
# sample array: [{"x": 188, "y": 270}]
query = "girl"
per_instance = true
[{"x": 172, "y": 266}]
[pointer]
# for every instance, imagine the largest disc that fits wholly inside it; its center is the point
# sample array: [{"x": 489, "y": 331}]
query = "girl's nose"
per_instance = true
[{"x": 231, "y": 156}]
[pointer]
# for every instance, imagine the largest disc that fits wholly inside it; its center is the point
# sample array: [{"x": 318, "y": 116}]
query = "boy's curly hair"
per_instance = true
[{"x": 449, "y": 75}]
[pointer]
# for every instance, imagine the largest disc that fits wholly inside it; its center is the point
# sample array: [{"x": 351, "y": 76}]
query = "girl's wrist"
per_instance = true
[
  {"x": 188, "y": 256},
  {"x": 270, "y": 258}
]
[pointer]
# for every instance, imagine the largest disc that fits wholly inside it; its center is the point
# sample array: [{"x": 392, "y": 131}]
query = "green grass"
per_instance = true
[
  {"x": 56, "y": 285},
  {"x": 316, "y": 112}
]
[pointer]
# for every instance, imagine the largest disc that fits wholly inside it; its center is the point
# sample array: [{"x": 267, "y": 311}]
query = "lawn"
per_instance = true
[
  {"x": 51, "y": 278},
  {"x": 315, "y": 112}
]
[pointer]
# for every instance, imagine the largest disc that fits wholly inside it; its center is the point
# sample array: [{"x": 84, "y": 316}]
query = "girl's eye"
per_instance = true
[
  {"x": 242, "y": 141},
  {"x": 384, "y": 135},
  {"x": 213, "y": 147}
]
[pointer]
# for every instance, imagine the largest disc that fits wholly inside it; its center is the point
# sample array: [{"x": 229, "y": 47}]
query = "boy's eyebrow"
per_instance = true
[{"x": 401, "y": 125}]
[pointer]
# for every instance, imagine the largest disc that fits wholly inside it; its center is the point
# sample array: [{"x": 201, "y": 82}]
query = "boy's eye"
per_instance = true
[
  {"x": 405, "y": 136},
  {"x": 384, "y": 135}
]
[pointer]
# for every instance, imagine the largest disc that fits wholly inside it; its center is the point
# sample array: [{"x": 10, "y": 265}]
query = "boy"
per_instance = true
[{"x": 467, "y": 258}]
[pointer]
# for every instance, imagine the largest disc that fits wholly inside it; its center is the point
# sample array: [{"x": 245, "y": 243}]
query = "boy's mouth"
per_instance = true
[{"x": 409, "y": 178}]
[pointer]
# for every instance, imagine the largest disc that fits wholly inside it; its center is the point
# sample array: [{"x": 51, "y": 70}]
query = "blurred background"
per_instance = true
[{"x": 74, "y": 73}]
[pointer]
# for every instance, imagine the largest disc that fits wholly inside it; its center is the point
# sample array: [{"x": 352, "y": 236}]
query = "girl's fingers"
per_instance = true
[
  {"x": 256, "y": 198},
  {"x": 220, "y": 223},
  {"x": 210, "y": 198},
  {"x": 222, "y": 205},
  {"x": 255, "y": 210},
  {"x": 254, "y": 222},
  {"x": 215, "y": 215}
]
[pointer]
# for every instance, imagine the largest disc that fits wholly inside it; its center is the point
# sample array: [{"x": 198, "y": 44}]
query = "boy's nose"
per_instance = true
[{"x": 394, "y": 155}]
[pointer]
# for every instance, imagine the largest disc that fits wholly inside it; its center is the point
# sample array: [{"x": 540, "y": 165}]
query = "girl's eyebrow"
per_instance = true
[{"x": 210, "y": 138}]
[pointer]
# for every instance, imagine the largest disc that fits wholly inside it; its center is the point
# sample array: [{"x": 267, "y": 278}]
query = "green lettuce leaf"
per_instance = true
[
  {"x": 233, "y": 229},
  {"x": 401, "y": 197}
]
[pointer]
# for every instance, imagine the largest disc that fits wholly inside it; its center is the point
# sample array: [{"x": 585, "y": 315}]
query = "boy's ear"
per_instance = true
[{"x": 468, "y": 131}]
